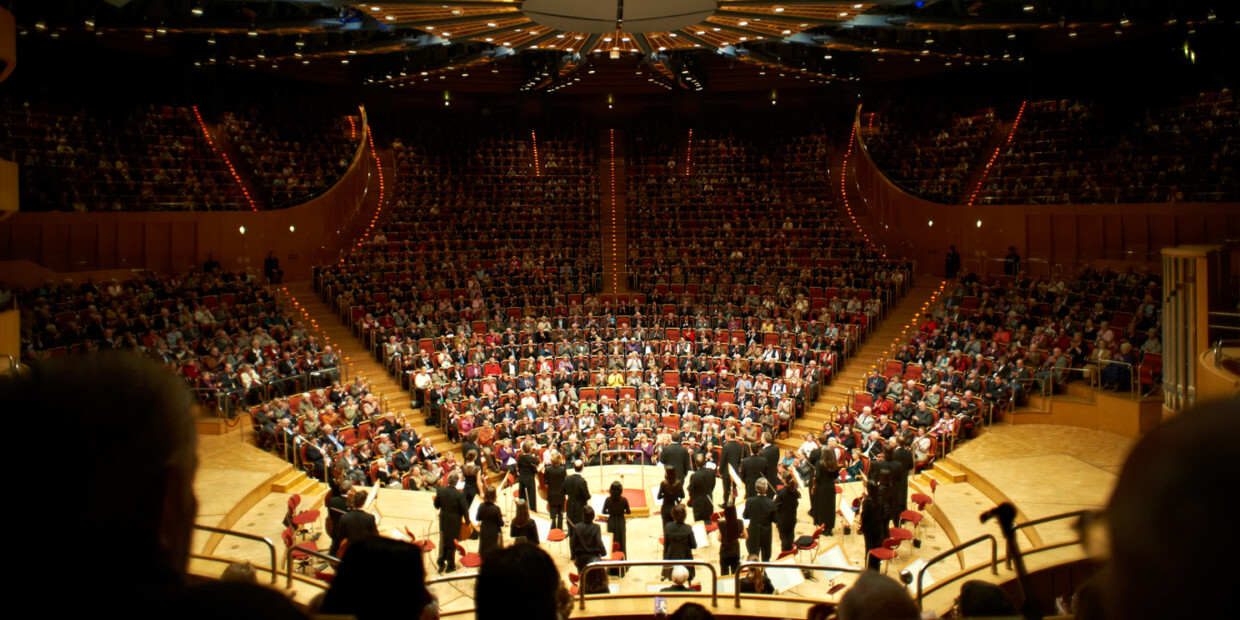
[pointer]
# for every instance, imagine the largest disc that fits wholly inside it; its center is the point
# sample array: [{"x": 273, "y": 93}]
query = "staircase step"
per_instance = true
[{"x": 949, "y": 471}]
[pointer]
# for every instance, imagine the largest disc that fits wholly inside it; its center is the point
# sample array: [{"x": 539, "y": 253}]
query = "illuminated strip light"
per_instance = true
[
  {"x": 352, "y": 128},
  {"x": 689, "y": 154},
  {"x": 224, "y": 156},
  {"x": 844, "y": 192},
  {"x": 537, "y": 163},
  {"x": 370, "y": 136},
  {"x": 614, "y": 271},
  {"x": 995, "y": 156}
]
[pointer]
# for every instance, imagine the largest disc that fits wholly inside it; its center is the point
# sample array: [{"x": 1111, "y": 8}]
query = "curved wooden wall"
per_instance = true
[
  {"x": 1119, "y": 235},
  {"x": 302, "y": 236}
]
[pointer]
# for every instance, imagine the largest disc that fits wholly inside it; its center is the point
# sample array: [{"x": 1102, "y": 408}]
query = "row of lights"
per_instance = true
[
  {"x": 689, "y": 153},
  {"x": 534, "y": 145},
  {"x": 245, "y": 192},
  {"x": 615, "y": 261},
  {"x": 852, "y": 138},
  {"x": 995, "y": 156},
  {"x": 370, "y": 136}
]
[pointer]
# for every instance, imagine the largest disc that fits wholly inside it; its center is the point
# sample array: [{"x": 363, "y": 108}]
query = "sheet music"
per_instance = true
[
  {"x": 700, "y": 535},
  {"x": 736, "y": 478},
  {"x": 542, "y": 524},
  {"x": 596, "y": 502},
  {"x": 832, "y": 556},
  {"x": 785, "y": 579},
  {"x": 373, "y": 497},
  {"x": 399, "y": 534},
  {"x": 800, "y": 483}
]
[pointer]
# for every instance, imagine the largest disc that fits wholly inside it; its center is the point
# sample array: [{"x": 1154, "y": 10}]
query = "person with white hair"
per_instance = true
[{"x": 680, "y": 576}]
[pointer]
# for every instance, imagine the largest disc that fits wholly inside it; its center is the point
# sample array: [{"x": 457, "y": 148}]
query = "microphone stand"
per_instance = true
[{"x": 1006, "y": 514}]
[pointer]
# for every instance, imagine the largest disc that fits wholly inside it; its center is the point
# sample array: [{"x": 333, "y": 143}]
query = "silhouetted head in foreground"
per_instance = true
[{"x": 1169, "y": 519}]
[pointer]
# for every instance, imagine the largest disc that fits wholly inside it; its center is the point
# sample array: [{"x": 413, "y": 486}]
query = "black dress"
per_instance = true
[
  {"x": 529, "y": 531},
  {"x": 616, "y": 508},
  {"x": 874, "y": 526},
  {"x": 490, "y": 524},
  {"x": 670, "y": 498},
  {"x": 822, "y": 510}
]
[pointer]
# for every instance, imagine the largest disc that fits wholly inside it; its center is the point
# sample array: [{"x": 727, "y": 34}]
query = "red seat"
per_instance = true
[{"x": 468, "y": 560}]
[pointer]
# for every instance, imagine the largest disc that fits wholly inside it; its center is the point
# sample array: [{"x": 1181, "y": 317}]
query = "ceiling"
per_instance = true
[{"x": 603, "y": 45}]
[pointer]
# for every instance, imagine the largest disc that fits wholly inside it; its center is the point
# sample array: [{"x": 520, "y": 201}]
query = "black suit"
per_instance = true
[
  {"x": 676, "y": 456},
  {"x": 730, "y": 454},
  {"x": 786, "y": 502},
  {"x": 355, "y": 525},
  {"x": 771, "y": 454},
  {"x": 453, "y": 510},
  {"x": 577, "y": 494},
  {"x": 527, "y": 472},
  {"x": 701, "y": 486},
  {"x": 553, "y": 477},
  {"x": 899, "y": 482},
  {"x": 761, "y": 514},
  {"x": 587, "y": 544},
  {"x": 753, "y": 468},
  {"x": 337, "y": 506}
]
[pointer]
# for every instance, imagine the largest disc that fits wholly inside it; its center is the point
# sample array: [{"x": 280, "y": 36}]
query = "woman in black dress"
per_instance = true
[
  {"x": 822, "y": 497},
  {"x": 874, "y": 522},
  {"x": 616, "y": 506},
  {"x": 523, "y": 525},
  {"x": 490, "y": 524},
  {"x": 731, "y": 531},
  {"x": 670, "y": 492},
  {"x": 678, "y": 539}
]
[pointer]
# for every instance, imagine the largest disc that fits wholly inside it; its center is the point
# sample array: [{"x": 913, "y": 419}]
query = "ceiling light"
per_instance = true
[
  {"x": 742, "y": 23},
  {"x": 375, "y": 9},
  {"x": 844, "y": 14},
  {"x": 390, "y": 18},
  {"x": 456, "y": 11},
  {"x": 211, "y": 41},
  {"x": 1011, "y": 35},
  {"x": 491, "y": 24},
  {"x": 344, "y": 61},
  {"x": 779, "y": 9}
]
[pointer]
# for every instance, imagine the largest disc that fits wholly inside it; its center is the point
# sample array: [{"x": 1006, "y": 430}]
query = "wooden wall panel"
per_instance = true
[
  {"x": 1162, "y": 230},
  {"x": 106, "y": 233},
  {"x": 158, "y": 241},
  {"x": 1136, "y": 232},
  {"x": 1063, "y": 238},
  {"x": 130, "y": 246},
  {"x": 1112, "y": 236},
  {"x": 84, "y": 245},
  {"x": 1038, "y": 233},
  {"x": 1089, "y": 230},
  {"x": 184, "y": 251},
  {"x": 54, "y": 245}
]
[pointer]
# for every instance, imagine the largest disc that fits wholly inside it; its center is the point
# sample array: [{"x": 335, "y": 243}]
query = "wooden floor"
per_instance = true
[{"x": 1043, "y": 469}]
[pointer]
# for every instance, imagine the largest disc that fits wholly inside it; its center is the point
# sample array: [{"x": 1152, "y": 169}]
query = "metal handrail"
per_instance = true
[
  {"x": 275, "y": 571},
  {"x": 14, "y": 366},
  {"x": 1219, "y": 356},
  {"x": 1132, "y": 374},
  {"x": 994, "y": 560},
  {"x": 288, "y": 557},
  {"x": 625, "y": 564},
  {"x": 448, "y": 578},
  {"x": 736, "y": 590},
  {"x": 1080, "y": 514},
  {"x": 641, "y": 468}
]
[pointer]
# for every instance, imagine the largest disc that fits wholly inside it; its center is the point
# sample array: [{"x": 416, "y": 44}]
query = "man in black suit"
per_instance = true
[
  {"x": 760, "y": 510},
  {"x": 730, "y": 456},
  {"x": 355, "y": 525},
  {"x": 576, "y": 494},
  {"x": 701, "y": 486},
  {"x": 337, "y": 506},
  {"x": 676, "y": 456},
  {"x": 453, "y": 510},
  {"x": 554, "y": 476},
  {"x": 527, "y": 472},
  {"x": 899, "y": 483},
  {"x": 753, "y": 469},
  {"x": 770, "y": 453}
]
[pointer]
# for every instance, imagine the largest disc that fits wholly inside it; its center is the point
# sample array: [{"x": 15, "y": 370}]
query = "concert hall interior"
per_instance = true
[{"x": 944, "y": 292}]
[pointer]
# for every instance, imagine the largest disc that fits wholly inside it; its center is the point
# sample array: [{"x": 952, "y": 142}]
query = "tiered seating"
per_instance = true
[
  {"x": 1068, "y": 151},
  {"x": 991, "y": 343},
  {"x": 227, "y": 336},
  {"x": 293, "y": 156},
  {"x": 122, "y": 158},
  {"x": 928, "y": 155}
]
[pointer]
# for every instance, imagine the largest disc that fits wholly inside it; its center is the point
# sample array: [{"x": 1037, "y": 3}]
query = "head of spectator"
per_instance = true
[
  {"x": 983, "y": 599},
  {"x": 378, "y": 564},
  {"x": 875, "y": 596},
  {"x": 137, "y": 487},
  {"x": 523, "y": 573},
  {"x": 680, "y": 575},
  {"x": 1169, "y": 485}
]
